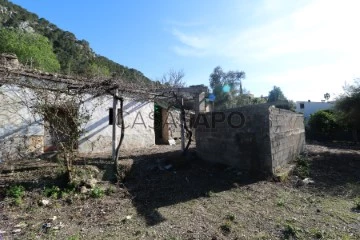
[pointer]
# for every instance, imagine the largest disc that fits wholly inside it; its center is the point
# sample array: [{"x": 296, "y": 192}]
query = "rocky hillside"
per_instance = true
[{"x": 74, "y": 56}]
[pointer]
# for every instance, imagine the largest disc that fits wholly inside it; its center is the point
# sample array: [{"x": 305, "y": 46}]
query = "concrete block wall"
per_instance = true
[
  {"x": 246, "y": 147},
  {"x": 267, "y": 140},
  {"x": 287, "y": 136}
]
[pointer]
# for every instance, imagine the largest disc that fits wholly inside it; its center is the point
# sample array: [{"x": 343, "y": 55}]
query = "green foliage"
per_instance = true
[
  {"x": 327, "y": 96},
  {"x": 226, "y": 228},
  {"x": 94, "y": 70},
  {"x": 53, "y": 192},
  {"x": 110, "y": 190},
  {"x": 74, "y": 237},
  {"x": 302, "y": 168},
  {"x": 290, "y": 231},
  {"x": 97, "y": 192},
  {"x": 31, "y": 49},
  {"x": 227, "y": 87},
  {"x": 276, "y": 95},
  {"x": 280, "y": 202},
  {"x": 75, "y": 56},
  {"x": 16, "y": 192},
  {"x": 348, "y": 105},
  {"x": 230, "y": 217},
  {"x": 322, "y": 125},
  {"x": 357, "y": 204}
]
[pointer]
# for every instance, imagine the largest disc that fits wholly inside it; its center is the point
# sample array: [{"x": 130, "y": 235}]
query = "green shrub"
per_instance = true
[
  {"x": 230, "y": 217},
  {"x": 357, "y": 204},
  {"x": 110, "y": 190},
  {"x": 302, "y": 168},
  {"x": 16, "y": 192},
  {"x": 97, "y": 192},
  {"x": 225, "y": 228},
  {"x": 290, "y": 231},
  {"x": 322, "y": 125},
  {"x": 30, "y": 48},
  {"x": 53, "y": 192}
]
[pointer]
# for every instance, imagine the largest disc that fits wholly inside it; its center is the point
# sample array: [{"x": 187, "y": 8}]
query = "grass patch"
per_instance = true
[
  {"x": 97, "y": 192},
  {"x": 53, "y": 192},
  {"x": 110, "y": 190},
  {"x": 302, "y": 168},
  {"x": 290, "y": 231},
  {"x": 225, "y": 228},
  {"x": 280, "y": 202},
  {"x": 230, "y": 217},
  {"x": 357, "y": 204},
  {"x": 16, "y": 193}
]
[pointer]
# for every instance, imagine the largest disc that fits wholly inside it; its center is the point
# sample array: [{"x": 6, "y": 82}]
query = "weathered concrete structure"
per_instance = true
[
  {"x": 25, "y": 131},
  {"x": 139, "y": 126},
  {"x": 22, "y": 132},
  {"x": 259, "y": 138}
]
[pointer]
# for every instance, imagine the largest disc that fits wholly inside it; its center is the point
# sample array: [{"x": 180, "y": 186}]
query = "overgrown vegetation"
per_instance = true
[
  {"x": 74, "y": 56},
  {"x": 168, "y": 205},
  {"x": 277, "y": 97},
  {"x": 357, "y": 204},
  {"x": 348, "y": 107},
  {"x": 32, "y": 49},
  {"x": 97, "y": 192},
  {"x": 227, "y": 87},
  {"x": 302, "y": 168},
  {"x": 290, "y": 231},
  {"x": 16, "y": 193},
  {"x": 323, "y": 125}
]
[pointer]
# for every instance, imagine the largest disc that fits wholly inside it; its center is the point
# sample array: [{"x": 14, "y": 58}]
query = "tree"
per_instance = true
[
  {"x": 327, "y": 96},
  {"x": 227, "y": 87},
  {"x": 322, "y": 125},
  {"x": 173, "y": 79},
  {"x": 31, "y": 49},
  {"x": 276, "y": 95},
  {"x": 348, "y": 106}
]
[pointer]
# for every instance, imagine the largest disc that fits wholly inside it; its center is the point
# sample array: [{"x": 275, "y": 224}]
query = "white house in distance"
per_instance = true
[{"x": 307, "y": 107}]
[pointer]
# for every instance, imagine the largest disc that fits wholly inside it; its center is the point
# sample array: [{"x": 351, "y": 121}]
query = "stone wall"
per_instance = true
[
  {"x": 256, "y": 138},
  {"x": 21, "y": 132}
]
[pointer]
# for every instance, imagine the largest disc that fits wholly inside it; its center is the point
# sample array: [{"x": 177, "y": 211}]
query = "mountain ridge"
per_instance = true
[{"x": 75, "y": 56}]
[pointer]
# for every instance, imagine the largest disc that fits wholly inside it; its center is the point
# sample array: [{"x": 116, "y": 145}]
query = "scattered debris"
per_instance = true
[
  {"x": 45, "y": 227},
  {"x": 91, "y": 182},
  {"x": 21, "y": 225},
  {"x": 308, "y": 181},
  {"x": 83, "y": 189},
  {"x": 61, "y": 225},
  {"x": 172, "y": 142},
  {"x": 44, "y": 202},
  {"x": 17, "y": 230},
  {"x": 168, "y": 167}
]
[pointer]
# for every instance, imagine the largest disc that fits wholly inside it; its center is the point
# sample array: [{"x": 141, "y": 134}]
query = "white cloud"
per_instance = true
[{"x": 314, "y": 29}]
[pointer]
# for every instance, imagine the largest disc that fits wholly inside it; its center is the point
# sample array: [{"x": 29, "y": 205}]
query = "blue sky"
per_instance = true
[{"x": 306, "y": 47}]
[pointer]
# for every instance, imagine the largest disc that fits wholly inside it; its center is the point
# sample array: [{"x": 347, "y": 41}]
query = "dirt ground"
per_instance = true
[{"x": 165, "y": 196}]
